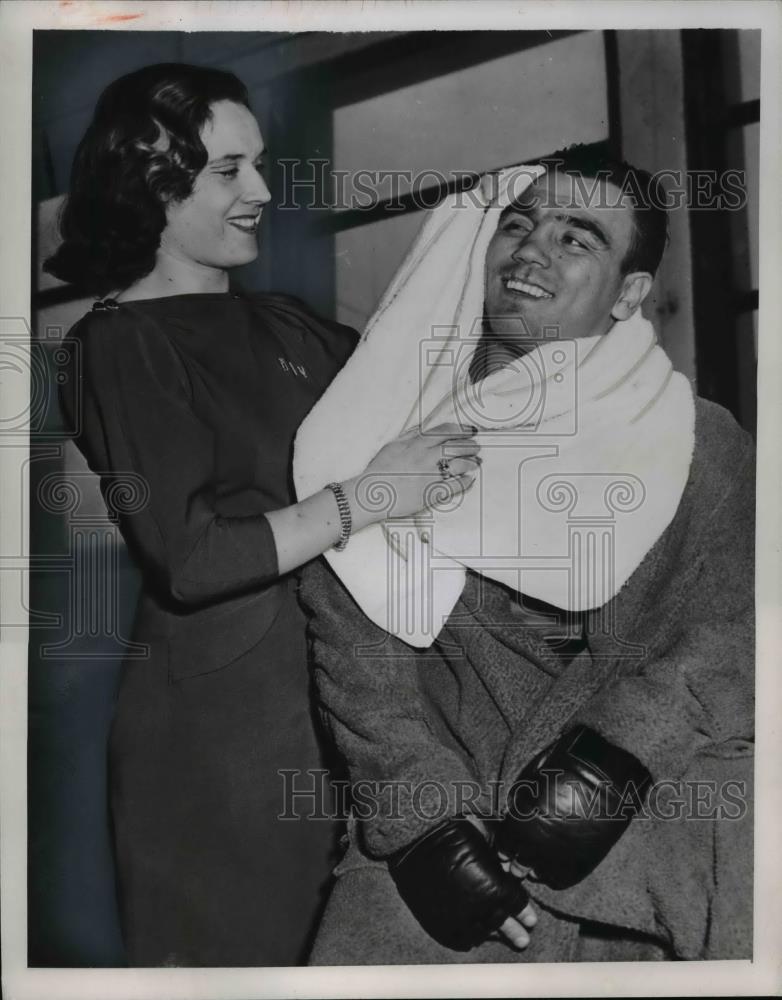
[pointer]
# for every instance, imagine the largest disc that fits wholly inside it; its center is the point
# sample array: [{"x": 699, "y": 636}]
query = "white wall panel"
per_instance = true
[
  {"x": 494, "y": 114},
  {"x": 366, "y": 259},
  {"x": 500, "y": 112}
]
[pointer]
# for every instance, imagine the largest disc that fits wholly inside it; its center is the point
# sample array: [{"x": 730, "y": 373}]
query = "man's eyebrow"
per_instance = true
[
  {"x": 587, "y": 224},
  {"x": 517, "y": 208},
  {"x": 577, "y": 221}
]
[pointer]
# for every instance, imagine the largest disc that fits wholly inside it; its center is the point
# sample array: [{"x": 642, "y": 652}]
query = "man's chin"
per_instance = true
[{"x": 520, "y": 329}]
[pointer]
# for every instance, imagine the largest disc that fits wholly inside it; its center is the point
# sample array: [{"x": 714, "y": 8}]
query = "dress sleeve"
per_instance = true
[{"x": 137, "y": 419}]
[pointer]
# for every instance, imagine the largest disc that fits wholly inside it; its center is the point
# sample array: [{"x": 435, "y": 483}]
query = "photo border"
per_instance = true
[{"x": 762, "y": 976}]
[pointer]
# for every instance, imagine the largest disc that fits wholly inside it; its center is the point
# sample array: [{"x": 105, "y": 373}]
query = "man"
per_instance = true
[{"x": 598, "y": 761}]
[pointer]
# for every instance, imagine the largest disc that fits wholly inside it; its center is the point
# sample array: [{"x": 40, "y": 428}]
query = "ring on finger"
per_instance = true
[{"x": 444, "y": 468}]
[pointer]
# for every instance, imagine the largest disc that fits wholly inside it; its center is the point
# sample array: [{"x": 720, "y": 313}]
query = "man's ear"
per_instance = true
[{"x": 635, "y": 288}]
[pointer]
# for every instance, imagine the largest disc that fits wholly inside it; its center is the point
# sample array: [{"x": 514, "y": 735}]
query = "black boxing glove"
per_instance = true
[
  {"x": 570, "y": 805},
  {"x": 452, "y": 881}
]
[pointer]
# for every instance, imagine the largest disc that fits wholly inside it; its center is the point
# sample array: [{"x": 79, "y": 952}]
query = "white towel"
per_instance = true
[{"x": 586, "y": 444}]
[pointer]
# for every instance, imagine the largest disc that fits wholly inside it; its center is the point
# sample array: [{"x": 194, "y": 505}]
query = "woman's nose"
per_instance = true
[{"x": 256, "y": 189}]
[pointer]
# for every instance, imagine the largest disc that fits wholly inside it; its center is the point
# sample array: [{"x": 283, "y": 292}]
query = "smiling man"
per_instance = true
[
  {"x": 555, "y": 258},
  {"x": 572, "y": 253},
  {"x": 530, "y": 780}
]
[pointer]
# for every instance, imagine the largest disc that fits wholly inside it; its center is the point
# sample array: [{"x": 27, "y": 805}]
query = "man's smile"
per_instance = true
[{"x": 526, "y": 288}]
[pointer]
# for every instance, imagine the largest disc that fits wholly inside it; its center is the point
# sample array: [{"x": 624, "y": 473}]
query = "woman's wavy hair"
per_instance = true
[{"x": 142, "y": 150}]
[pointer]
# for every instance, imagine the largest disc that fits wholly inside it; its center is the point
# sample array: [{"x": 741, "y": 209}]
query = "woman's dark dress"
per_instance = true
[{"x": 200, "y": 396}]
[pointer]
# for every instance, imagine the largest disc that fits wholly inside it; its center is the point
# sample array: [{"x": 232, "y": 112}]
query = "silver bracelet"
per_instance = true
[{"x": 345, "y": 516}]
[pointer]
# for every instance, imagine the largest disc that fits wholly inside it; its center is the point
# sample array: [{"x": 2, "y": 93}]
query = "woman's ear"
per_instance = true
[{"x": 635, "y": 288}]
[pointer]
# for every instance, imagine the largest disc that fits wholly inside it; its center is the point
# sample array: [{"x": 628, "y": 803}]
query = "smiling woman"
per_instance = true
[
  {"x": 198, "y": 390},
  {"x": 217, "y": 225}
]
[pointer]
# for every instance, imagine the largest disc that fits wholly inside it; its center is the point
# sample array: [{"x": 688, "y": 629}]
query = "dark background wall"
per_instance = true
[{"x": 476, "y": 101}]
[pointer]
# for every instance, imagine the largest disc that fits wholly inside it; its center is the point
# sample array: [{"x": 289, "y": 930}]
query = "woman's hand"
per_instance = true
[
  {"x": 404, "y": 478},
  {"x": 401, "y": 480}
]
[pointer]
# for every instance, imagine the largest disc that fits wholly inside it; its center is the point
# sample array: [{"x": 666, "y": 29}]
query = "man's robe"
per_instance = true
[{"x": 667, "y": 675}]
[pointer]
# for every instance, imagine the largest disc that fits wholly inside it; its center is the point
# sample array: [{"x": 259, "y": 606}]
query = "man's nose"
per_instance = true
[{"x": 532, "y": 250}]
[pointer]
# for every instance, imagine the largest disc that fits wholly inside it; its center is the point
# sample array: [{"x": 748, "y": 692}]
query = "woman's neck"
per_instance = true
[{"x": 174, "y": 277}]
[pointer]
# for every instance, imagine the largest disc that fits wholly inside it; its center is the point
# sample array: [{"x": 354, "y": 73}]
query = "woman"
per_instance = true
[{"x": 199, "y": 391}]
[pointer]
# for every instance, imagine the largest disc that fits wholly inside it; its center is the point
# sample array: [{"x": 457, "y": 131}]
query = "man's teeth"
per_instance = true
[{"x": 521, "y": 286}]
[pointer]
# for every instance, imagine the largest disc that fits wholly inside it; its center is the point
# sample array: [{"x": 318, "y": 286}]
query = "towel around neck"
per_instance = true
[{"x": 586, "y": 444}]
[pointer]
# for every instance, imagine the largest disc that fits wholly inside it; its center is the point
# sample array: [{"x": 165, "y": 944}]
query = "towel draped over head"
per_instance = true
[{"x": 585, "y": 444}]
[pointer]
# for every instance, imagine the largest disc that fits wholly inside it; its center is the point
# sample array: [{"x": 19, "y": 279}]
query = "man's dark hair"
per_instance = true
[
  {"x": 642, "y": 189},
  {"x": 123, "y": 176}
]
